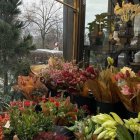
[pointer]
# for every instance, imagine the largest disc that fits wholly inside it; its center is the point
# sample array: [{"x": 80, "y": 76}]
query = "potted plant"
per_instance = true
[
  {"x": 67, "y": 77},
  {"x": 96, "y": 35},
  {"x": 25, "y": 122},
  {"x": 129, "y": 84}
]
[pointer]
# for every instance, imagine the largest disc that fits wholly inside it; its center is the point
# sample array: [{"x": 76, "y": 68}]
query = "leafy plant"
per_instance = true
[
  {"x": 123, "y": 133},
  {"x": 101, "y": 22},
  {"x": 26, "y": 123}
]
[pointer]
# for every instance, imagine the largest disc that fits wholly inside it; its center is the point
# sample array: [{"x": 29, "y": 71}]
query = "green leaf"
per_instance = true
[
  {"x": 123, "y": 133},
  {"x": 137, "y": 136}
]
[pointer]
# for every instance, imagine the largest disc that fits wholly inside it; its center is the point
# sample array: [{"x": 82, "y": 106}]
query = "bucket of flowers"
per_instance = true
[
  {"x": 62, "y": 112},
  {"x": 66, "y": 77},
  {"x": 26, "y": 121},
  {"x": 31, "y": 87},
  {"x": 129, "y": 83},
  {"x": 105, "y": 90},
  {"x": 107, "y": 127},
  {"x": 127, "y": 13}
]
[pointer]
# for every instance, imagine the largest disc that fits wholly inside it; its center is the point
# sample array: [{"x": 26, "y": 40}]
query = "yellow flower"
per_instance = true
[
  {"x": 132, "y": 73},
  {"x": 117, "y": 9},
  {"x": 127, "y": 12}
]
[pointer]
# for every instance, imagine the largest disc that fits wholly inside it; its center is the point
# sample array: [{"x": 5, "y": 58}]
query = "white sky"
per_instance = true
[{"x": 93, "y": 7}]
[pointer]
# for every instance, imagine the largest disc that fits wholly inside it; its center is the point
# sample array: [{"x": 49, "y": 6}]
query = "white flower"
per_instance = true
[
  {"x": 132, "y": 73},
  {"x": 7, "y": 125}
]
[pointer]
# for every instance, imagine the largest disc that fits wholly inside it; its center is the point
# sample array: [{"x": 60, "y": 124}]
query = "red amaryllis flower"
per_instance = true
[
  {"x": 27, "y": 103},
  {"x": 90, "y": 69},
  {"x": 57, "y": 104},
  {"x": 51, "y": 100}
]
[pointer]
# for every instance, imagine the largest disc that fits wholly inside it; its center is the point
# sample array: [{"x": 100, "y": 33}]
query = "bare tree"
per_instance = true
[{"x": 42, "y": 17}]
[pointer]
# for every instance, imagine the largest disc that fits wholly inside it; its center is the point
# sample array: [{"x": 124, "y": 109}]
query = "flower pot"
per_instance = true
[
  {"x": 104, "y": 107},
  {"x": 64, "y": 131},
  {"x": 131, "y": 115},
  {"x": 84, "y": 101},
  {"x": 120, "y": 110}
]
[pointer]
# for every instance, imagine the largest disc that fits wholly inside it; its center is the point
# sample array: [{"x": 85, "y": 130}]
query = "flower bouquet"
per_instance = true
[
  {"x": 103, "y": 86},
  {"x": 127, "y": 12},
  {"x": 31, "y": 87},
  {"x": 129, "y": 84},
  {"x": 104, "y": 89},
  {"x": 62, "y": 112},
  {"x": 3, "y": 120},
  {"x": 25, "y": 122},
  {"x": 107, "y": 127},
  {"x": 66, "y": 76}
]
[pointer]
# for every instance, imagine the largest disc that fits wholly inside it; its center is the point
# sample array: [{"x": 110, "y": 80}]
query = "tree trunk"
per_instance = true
[
  {"x": 5, "y": 82},
  {"x": 43, "y": 39},
  {"x": 43, "y": 42},
  {"x": 5, "y": 75}
]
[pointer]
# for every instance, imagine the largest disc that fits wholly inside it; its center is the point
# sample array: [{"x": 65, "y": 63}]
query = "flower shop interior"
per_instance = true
[{"x": 69, "y": 70}]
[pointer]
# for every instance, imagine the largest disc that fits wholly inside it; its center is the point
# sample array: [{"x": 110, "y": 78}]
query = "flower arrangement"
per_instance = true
[
  {"x": 26, "y": 120},
  {"x": 129, "y": 84},
  {"x": 107, "y": 127},
  {"x": 31, "y": 87},
  {"x": 67, "y": 76},
  {"x": 127, "y": 12},
  {"x": 63, "y": 112},
  {"x": 3, "y": 119},
  {"x": 104, "y": 87}
]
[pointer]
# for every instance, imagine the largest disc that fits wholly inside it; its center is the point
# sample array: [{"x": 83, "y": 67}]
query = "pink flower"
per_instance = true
[
  {"x": 21, "y": 108},
  {"x": 126, "y": 90},
  {"x": 119, "y": 76},
  {"x": 12, "y": 104}
]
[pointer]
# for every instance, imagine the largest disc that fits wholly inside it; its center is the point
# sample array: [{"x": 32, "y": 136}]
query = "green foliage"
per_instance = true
[
  {"x": 9, "y": 9},
  {"x": 22, "y": 67},
  {"x": 136, "y": 136},
  {"x": 4, "y": 100},
  {"x": 123, "y": 133},
  {"x": 12, "y": 46},
  {"x": 101, "y": 22},
  {"x": 25, "y": 46},
  {"x": 27, "y": 123}
]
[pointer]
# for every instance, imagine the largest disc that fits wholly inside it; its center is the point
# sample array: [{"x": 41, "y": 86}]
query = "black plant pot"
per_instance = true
[
  {"x": 84, "y": 101},
  {"x": 64, "y": 131},
  {"x": 121, "y": 110},
  {"x": 104, "y": 107},
  {"x": 8, "y": 136},
  {"x": 131, "y": 115}
]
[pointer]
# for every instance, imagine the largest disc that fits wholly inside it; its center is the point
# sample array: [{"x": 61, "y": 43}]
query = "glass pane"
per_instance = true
[{"x": 94, "y": 26}]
